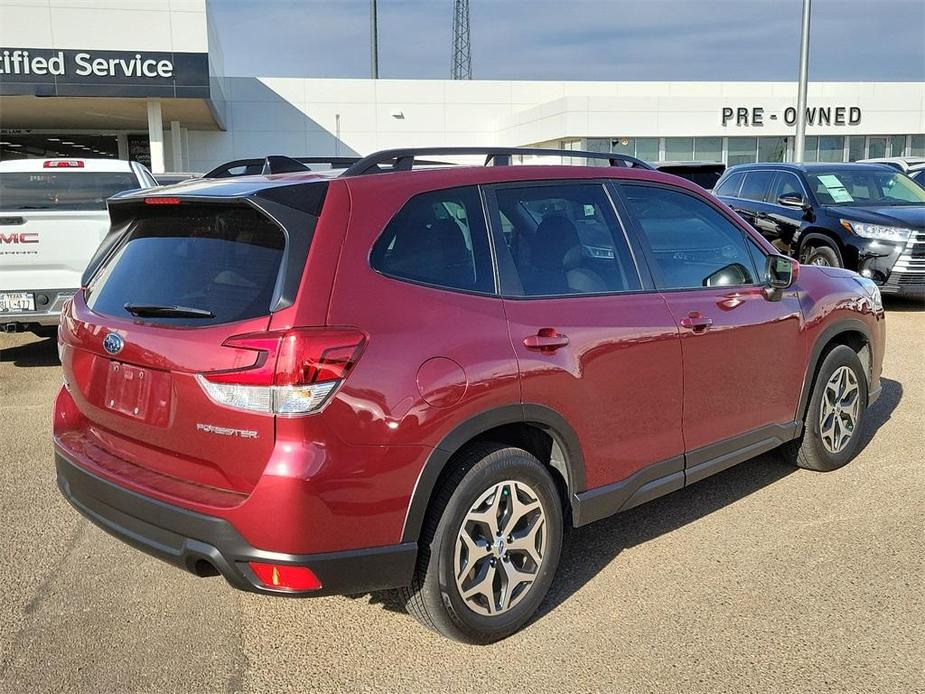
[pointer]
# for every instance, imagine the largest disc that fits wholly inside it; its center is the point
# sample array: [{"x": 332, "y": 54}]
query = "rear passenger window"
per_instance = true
[
  {"x": 693, "y": 245},
  {"x": 730, "y": 187},
  {"x": 438, "y": 238},
  {"x": 756, "y": 186},
  {"x": 564, "y": 239}
]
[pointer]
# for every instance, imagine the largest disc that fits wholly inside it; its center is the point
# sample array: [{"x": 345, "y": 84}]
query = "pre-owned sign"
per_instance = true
[
  {"x": 815, "y": 115},
  {"x": 50, "y": 72}
]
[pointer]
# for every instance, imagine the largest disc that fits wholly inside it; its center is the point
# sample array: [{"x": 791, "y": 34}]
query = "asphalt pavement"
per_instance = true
[{"x": 763, "y": 578}]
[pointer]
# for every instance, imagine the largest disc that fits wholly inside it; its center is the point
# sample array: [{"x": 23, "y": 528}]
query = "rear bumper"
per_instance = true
[
  {"x": 200, "y": 543},
  {"x": 45, "y": 315}
]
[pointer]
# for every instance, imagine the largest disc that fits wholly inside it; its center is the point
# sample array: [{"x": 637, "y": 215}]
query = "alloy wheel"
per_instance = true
[
  {"x": 500, "y": 547},
  {"x": 838, "y": 413}
]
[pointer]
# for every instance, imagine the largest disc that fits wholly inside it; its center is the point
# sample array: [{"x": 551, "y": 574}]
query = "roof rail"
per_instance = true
[
  {"x": 404, "y": 159},
  {"x": 278, "y": 164}
]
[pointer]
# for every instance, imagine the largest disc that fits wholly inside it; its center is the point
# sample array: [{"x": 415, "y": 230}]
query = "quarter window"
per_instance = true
[
  {"x": 438, "y": 238},
  {"x": 565, "y": 239},
  {"x": 692, "y": 244}
]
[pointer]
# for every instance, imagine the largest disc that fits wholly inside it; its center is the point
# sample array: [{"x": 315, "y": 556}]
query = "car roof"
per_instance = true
[
  {"x": 808, "y": 167},
  {"x": 423, "y": 178},
  {"x": 99, "y": 165},
  {"x": 692, "y": 164},
  {"x": 430, "y": 178}
]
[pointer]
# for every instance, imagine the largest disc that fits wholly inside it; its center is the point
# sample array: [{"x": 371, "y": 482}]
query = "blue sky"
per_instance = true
[{"x": 852, "y": 40}]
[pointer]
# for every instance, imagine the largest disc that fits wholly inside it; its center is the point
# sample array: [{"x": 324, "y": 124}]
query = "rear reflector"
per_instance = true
[
  {"x": 63, "y": 164},
  {"x": 162, "y": 201},
  {"x": 295, "y": 371},
  {"x": 285, "y": 577}
]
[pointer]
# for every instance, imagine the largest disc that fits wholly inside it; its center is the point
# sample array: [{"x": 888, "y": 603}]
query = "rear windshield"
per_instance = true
[
  {"x": 59, "y": 190},
  {"x": 218, "y": 260}
]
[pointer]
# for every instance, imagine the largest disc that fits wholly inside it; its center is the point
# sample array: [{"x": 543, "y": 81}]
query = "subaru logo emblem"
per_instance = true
[{"x": 113, "y": 343}]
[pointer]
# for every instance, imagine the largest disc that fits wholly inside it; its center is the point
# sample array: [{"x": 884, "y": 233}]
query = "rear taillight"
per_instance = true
[{"x": 295, "y": 372}]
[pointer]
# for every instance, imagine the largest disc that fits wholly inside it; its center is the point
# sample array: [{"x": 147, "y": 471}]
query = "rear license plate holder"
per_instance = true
[
  {"x": 17, "y": 302},
  {"x": 128, "y": 390}
]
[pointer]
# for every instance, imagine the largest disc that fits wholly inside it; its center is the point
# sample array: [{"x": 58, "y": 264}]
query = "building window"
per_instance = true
[
  {"x": 897, "y": 145},
  {"x": 876, "y": 147},
  {"x": 855, "y": 147},
  {"x": 708, "y": 148},
  {"x": 812, "y": 143},
  {"x": 742, "y": 150},
  {"x": 917, "y": 149},
  {"x": 647, "y": 148},
  {"x": 772, "y": 148},
  {"x": 831, "y": 148},
  {"x": 679, "y": 149}
]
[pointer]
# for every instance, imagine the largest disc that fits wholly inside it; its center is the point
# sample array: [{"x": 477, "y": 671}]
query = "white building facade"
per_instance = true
[{"x": 145, "y": 80}]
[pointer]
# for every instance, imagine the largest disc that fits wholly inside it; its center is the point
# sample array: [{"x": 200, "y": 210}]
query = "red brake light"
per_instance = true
[
  {"x": 295, "y": 357},
  {"x": 63, "y": 164},
  {"x": 307, "y": 357},
  {"x": 162, "y": 201},
  {"x": 286, "y": 577},
  {"x": 294, "y": 372}
]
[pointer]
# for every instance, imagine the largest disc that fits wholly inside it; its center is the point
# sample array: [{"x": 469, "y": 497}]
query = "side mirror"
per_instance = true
[
  {"x": 792, "y": 200},
  {"x": 780, "y": 272}
]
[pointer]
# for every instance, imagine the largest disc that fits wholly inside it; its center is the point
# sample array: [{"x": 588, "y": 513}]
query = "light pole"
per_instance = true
[
  {"x": 800, "y": 143},
  {"x": 373, "y": 41}
]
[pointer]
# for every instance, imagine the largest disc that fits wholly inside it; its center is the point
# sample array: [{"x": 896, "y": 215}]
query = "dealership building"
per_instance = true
[{"x": 145, "y": 80}]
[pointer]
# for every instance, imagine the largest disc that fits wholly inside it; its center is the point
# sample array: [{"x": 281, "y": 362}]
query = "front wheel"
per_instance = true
[
  {"x": 822, "y": 255},
  {"x": 489, "y": 547},
  {"x": 836, "y": 410}
]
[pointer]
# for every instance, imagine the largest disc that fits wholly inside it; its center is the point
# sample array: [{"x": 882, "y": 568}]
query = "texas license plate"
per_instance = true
[{"x": 16, "y": 302}]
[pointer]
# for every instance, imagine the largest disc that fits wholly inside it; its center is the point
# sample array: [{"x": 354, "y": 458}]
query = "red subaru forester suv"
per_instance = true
[{"x": 398, "y": 376}]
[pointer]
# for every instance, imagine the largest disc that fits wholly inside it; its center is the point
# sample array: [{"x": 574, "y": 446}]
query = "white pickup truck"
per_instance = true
[{"x": 52, "y": 218}]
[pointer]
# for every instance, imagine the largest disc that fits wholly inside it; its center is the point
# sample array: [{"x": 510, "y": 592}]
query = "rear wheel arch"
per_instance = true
[
  {"x": 850, "y": 332},
  {"x": 537, "y": 429}
]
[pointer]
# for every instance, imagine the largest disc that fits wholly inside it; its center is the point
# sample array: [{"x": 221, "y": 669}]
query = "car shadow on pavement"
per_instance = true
[
  {"x": 588, "y": 550},
  {"x": 41, "y": 352}
]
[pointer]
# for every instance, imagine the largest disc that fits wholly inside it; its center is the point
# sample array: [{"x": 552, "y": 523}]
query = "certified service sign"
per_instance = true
[{"x": 51, "y": 72}]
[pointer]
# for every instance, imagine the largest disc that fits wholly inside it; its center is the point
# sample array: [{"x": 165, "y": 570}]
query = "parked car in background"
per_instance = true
[
  {"x": 388, "y": 377},
  {"x": 704, "y": 173},
  {"x": 869, "y": 218},
  {"x": 904, "y": 164},
  {"x": 169, "y": 179},
  {"x": 52, "y": 217}
]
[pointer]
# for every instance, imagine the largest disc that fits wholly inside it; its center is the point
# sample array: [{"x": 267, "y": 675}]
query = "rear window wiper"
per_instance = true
[{"x": 167, "y": 311}]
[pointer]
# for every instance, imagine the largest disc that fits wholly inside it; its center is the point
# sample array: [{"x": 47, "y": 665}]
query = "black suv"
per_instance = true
[{"x": 868, "y": 218}]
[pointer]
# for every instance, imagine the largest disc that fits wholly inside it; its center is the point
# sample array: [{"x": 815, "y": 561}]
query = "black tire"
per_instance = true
[
  {"x": 433, "y": 597},
  {"x": 808, "y": 451},
  {"x": 822, "y": 255}
]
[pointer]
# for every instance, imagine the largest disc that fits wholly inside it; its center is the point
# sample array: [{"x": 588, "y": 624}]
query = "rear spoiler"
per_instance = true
[{"x": 275, "y": 164}]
